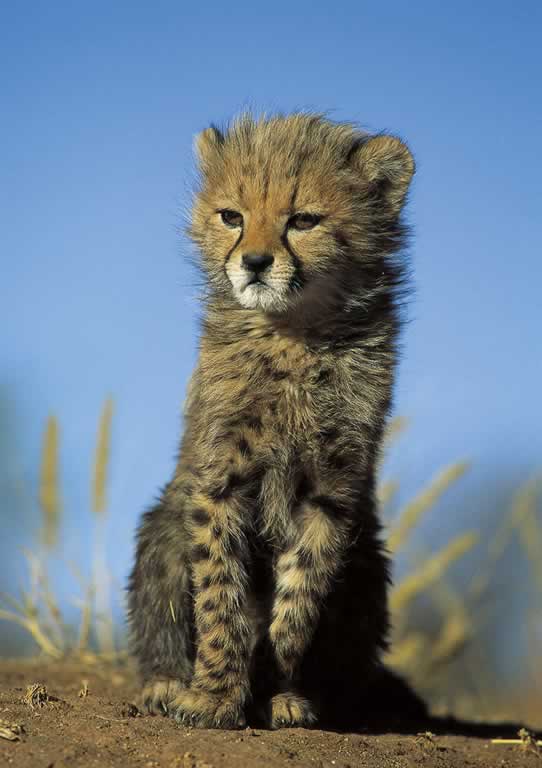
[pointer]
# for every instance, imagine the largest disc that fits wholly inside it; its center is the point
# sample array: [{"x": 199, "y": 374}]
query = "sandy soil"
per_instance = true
[{"x": 103, "y": 728}]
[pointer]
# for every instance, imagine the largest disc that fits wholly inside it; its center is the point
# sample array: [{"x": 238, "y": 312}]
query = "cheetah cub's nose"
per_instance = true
[{"x": 257, "y": 262}]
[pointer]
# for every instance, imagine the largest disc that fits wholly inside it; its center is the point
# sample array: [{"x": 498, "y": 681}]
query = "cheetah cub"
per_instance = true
[{"x": 260, "y": 581}]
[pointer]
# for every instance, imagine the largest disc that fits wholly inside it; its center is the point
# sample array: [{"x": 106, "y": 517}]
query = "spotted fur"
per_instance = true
[{"x": 260, "y": 577}]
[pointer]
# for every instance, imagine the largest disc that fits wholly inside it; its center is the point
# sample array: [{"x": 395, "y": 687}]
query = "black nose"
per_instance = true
[{"x": 257, "y": 262}]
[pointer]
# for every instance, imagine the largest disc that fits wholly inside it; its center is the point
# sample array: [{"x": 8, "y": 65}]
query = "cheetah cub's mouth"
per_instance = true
[
  {"x": 257, "y": 294},
  {"x": 257, "y": 282},
  {"x": 254, "y": 292},
  {"x": 254, "y": 286}
]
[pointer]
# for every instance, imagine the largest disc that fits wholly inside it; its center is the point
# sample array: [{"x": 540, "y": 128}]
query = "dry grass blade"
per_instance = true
[
  {"x": 32, "y": 626},
  {"x": 387, "y": 491},
  {"x": 104, "y": 622},
  {"x": 523, "y": 508},
  {"x": 530, "y": 530},
  {"x": 526, "y": 741},
  {"x": 103, "y": 616},
  {"x": 49, "y": 491},
  {"x": 12, "y": 602},
  {"x": 405, "y": 653},
  {"x": 413, "y": 511},
  {"x": 100, "y": 658},
  {"x": 43, "y": 595},
  {"x": 26, "y": 612},
  {"x": 395, "y": 428},
  {"x": 452, "y": 639},
  {"x": 86, "y": 620},
  {"x": 36, "y": 696},
  {"x": 85, "y": 606},
  {"x": 392, "y": 432},
  {"x": 101, "y": 459},
  {"x": 83, "y": 693},
  {"x": 523, "y": 505},
  {"x": 11, "y": 731},
  {"x": 432, "y": 570}
]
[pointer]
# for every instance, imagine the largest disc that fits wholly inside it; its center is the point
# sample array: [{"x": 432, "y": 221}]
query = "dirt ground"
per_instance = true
[{"x": 90, "y": 721}]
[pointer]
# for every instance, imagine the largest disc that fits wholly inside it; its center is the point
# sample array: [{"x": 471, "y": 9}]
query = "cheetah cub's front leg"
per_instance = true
[
  {"x": 219, "y": 554},
  {"x": 304, "y": 575}
]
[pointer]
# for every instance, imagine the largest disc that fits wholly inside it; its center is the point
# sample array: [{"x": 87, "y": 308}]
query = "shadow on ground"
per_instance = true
[{"x": 90, "y": 720}]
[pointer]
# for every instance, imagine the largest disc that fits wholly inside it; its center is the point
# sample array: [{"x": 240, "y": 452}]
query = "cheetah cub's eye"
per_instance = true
[
  {"x": 304, "y": 221},
  {"x": 231, "y": 218}
]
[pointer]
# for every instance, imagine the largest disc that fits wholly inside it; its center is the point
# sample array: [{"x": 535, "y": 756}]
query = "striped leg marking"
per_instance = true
[
  {"x": 219, "y": 556},
  {"x": 305, "y": 572}
]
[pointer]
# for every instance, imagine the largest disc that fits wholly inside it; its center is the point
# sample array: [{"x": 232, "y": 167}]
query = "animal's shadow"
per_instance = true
[{"x": 389, "y": 705}]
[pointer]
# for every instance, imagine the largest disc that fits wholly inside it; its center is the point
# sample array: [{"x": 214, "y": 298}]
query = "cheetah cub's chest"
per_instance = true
[{"x": 293, "y": 371}]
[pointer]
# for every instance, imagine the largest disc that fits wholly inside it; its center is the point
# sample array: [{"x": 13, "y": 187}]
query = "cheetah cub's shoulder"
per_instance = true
[{"x": 260, "y": 581}]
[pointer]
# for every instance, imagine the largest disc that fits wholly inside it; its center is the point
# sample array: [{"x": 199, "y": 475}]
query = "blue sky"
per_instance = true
[{"x": 100, "y": 102}]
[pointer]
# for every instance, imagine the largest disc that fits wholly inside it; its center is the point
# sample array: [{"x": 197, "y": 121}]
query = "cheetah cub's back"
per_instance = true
[{"x": 260, "y": 580}]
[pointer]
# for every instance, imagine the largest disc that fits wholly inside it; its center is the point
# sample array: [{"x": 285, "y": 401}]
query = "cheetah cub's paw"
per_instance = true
[
  {"x": 207, "y": 710},
  {"x": 288, "y": 710},
  {"x": 157, "y": 695}
]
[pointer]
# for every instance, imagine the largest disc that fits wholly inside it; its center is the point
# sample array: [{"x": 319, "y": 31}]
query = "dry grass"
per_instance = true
[
  {"x": 422, "y": 503},
  {"x": 101, "y": 580},
  {"x": 49, "y": 490},
  {"x": 11, "y": 731},
  {"x": 36, "y": 696},
  {"x": 426, "y": 575},
  {"x": 434, "y": 655},
  {"x": 101, "y": 460},
  {"x": 442, "y": 658},
  {"x": 37, "y": 610},
  {"x": 526, "y": 741}
]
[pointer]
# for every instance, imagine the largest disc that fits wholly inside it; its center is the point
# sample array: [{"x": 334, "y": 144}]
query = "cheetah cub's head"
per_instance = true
[{"x": 291, "y": 208}]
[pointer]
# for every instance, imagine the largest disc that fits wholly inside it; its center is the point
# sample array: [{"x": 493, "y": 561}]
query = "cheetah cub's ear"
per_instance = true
[
  {"x": 207, "y": 143},
  {"x": 387, "y": 164}
]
